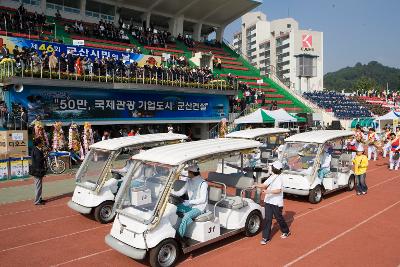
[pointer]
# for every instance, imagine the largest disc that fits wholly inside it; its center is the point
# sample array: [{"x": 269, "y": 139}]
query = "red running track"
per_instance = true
[{"x": 342, "y": 230}]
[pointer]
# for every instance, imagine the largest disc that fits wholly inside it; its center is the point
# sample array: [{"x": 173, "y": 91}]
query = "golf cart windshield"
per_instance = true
[
  {"x": 92, "y": 168},
  {"x": 299, "y": 157},
  {"x": 143, "y": 190}
]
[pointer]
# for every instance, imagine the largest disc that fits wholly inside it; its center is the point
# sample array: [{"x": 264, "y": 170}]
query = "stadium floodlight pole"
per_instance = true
[{"x": 55, "y": 30}]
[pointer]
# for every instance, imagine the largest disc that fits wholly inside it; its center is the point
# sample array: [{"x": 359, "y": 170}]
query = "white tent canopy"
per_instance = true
[
  {"x": 280, "y": 115},
  {"x": 388, "y": 119},
  {"x": 390, "y": 116},
  {"x": 258, "y": 116},
  {"x": 266, "y": 116}
]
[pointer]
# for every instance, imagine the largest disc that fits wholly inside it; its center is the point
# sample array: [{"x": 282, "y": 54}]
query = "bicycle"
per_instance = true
[{"x": 56, "y": 165}]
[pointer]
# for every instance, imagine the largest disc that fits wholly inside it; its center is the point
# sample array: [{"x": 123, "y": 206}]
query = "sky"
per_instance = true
[{"x": 354, "y": 30}]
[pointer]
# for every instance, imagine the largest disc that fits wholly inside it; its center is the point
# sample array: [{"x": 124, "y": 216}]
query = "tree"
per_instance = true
[{"x": 365, "y": 84}]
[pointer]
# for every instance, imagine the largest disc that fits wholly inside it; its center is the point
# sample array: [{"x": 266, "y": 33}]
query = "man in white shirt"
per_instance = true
[
  {"x": 325, "y": 163},
  {"x": 273, "y": 189},
  {"x": 197, "y": 190}
]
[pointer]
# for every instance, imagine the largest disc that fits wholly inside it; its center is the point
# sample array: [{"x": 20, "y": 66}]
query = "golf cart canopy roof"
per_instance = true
[
  {"x": 319, "y": 137},
  {"x": 257, "y": 132},
  {"x": 179, "y": 153},
  {"x": 137, "y": 140}
]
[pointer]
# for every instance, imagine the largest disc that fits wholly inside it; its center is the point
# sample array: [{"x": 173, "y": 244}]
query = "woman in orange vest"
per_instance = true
[{"x": 78, "y": 66}]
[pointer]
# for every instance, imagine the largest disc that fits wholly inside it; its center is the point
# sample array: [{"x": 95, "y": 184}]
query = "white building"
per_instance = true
[{"x": 280, "y": 48}]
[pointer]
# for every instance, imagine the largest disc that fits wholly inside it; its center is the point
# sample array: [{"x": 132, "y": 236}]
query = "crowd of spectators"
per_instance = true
[
  {"x": 342, "y": 106},
  {"x": 22, "y": 21},
  {"x": 375, "y": 108},
  {"x": 102, "y": 30},
  {"x": 187, "y": 40},
  {"x": 151, "y": 36},
  {"x": 29, "y": 59}
]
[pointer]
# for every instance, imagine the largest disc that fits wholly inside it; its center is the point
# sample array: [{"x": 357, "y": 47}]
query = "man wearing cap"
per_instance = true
[
  {"x": 360, "y": 163},
  {"x": 197, "y": 189},
  {"x": 325, "y": 163},
  {"x": 273, "y": 189}
]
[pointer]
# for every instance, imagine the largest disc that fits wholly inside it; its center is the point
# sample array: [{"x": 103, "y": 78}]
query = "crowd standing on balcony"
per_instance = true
[
  {"x": 22, "y": 21},
  {"x": 29, "y": 60},
  {"x": 102, "y": 30},
  {"x": 339, "y": 104},
  {"x": 151, "y": 36}
]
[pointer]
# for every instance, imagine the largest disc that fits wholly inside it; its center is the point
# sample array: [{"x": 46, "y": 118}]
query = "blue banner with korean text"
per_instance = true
[
  {"x": 78, "y": 105},
  {"x": 82, "y": 51}
]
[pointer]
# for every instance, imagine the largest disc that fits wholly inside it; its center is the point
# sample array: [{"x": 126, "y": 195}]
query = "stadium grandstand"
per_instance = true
[
  {"x": 125, "y": 62},
  {"x": 342, "y": 106}
]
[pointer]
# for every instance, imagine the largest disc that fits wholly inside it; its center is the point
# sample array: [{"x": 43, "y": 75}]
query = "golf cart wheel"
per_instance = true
[
  {"x": 351, "y": 183},
  {"x": 164, "y": 254},
  {"x": 253, "y": 223},
  {"x": 103, "y": 212},
  {"x": 57, "y": 166},
  {"x": 315, "y": 195}
]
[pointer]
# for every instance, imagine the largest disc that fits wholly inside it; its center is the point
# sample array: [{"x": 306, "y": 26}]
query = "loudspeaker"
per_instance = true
[
  {"x": 18, "y": 88},
  {"x": 336, "y": 125}
]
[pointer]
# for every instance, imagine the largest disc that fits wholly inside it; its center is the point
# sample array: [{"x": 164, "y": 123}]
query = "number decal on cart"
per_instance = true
[{"x": 211, "y": 230}]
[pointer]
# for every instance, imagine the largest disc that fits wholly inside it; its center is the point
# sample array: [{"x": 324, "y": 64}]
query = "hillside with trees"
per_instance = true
[{"x": 363, "y": 78}]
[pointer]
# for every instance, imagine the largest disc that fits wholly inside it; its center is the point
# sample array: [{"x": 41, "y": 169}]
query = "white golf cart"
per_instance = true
[
  {"x": 302, "y": 156},
  {"x": 146, "y": 212},
  {"x": 271, "y": 139},
  {"x": 101, "y": 173}
]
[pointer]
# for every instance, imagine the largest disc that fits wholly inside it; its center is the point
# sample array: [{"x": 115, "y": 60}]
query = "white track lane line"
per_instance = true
[
  {"x": 82, "y": 258},
  {"x": 220, "y": 247},
  {"x": 340, "y": 235},
  {"x": 301, "y": 215},
  {"x": 53, "y": 238},
  {"x": 45, "y": 221},
  {"x": 34, "y": 209},
  {"x": 343, "y": 198}
]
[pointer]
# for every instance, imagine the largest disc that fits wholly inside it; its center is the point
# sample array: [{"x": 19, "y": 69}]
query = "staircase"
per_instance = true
[{"x": 213, "y": 133}]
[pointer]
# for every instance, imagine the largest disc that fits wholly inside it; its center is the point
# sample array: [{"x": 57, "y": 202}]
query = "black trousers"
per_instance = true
[{"x": 270, "y": 212}]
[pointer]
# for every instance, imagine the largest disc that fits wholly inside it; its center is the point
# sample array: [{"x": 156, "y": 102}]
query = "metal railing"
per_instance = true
[{"x": 167, "y": 77}]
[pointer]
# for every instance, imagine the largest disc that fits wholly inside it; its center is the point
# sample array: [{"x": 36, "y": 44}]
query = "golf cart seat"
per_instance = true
[
  {"x": 220, "y": 198},
  {"x": 214, "y": 195},
  {"x": 336, "y": 166},
  {"x": 345, "y": 163}
]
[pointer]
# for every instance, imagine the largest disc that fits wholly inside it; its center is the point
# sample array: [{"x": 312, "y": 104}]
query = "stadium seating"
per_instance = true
[
  {"x": 339, "y": 104},
  {"x": 232, "y": 63}
]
